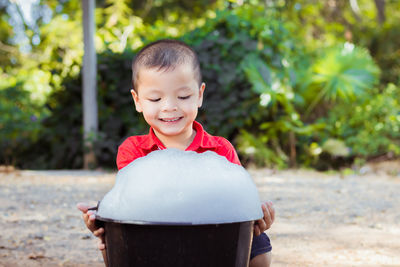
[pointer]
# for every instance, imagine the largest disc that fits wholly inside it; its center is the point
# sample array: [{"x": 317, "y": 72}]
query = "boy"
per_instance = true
[{"x": 168, "y": 90}]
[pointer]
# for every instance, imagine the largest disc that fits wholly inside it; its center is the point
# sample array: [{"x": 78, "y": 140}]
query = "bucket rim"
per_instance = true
[{"x": 139, "y": 222}]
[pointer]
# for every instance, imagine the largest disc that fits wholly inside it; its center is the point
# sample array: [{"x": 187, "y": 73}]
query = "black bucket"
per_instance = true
[{"x": 151, "y": 244}]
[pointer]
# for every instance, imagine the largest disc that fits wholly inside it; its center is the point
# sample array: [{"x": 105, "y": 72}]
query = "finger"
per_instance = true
[
  {"x": 264, "y": 207},
  {"x": 271, "y": 210},
  {"x": 103, "y": 238},
  {"x": 91, "y": 225},
  {"x": 101, "y": 245},
  {"x": 85, "y": 217},
  {"x": 92, "y": 215},
  {"x": 99, "y": 232},
  {"x": 262, "y": 225},
  {"x": 257, "y": 231},
  {"x": 82, "y": 207},
  {"x": 267, "y": 218}
]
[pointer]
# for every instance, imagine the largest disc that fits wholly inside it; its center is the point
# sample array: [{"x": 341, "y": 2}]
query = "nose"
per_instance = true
[{"x": 170, "y": 105}]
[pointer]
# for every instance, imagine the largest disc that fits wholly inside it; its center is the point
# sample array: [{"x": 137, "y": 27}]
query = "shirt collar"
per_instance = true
[{"x": 202, "y": 139}]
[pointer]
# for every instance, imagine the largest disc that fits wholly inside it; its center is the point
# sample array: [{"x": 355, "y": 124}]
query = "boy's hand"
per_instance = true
[
  {"x": 89, "y": 219},
  {"x": 265, "y": 222}
]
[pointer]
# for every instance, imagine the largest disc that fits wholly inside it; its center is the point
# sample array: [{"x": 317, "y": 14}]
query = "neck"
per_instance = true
[{"x": 180, "y": 142}]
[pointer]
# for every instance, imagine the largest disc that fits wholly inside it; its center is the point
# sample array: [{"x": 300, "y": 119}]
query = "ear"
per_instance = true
[
  {"x": 135, "y": 97},
  {"x": 201, "y": 93}
]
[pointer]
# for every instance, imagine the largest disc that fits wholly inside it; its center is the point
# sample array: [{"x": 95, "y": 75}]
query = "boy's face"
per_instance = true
[{"x": 169, "y": 100}]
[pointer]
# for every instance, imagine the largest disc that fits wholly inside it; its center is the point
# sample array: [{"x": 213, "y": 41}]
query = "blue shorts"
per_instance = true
[{"x": 261, "y": 244}]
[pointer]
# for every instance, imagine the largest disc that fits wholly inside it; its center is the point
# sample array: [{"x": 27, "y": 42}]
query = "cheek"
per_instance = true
[
  {"x": 149, "y": 110},
  {"x": 190, "y": 107}
]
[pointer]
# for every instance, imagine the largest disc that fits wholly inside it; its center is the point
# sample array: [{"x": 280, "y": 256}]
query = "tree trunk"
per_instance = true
[
  {"x": 89, "y": 93},
  {"x": 355, "y": 9},
  {"x": 292, "y": 142},
  {"x": 380, "y": 7}
]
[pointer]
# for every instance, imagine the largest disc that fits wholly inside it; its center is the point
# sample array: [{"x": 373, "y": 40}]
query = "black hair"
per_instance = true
[{"x": 165, "y": 55}]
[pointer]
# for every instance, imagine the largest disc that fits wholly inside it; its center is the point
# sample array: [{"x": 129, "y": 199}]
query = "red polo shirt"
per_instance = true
[{"x": 139, "y": 146}]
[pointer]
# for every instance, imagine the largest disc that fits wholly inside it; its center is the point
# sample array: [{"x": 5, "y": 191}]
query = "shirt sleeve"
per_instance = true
[
  {"x": 126, "y": 154},
  {"x": 228, "y": 151}
]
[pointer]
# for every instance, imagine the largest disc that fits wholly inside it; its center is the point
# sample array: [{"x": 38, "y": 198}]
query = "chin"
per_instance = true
[{"x": 171, "y": 133}]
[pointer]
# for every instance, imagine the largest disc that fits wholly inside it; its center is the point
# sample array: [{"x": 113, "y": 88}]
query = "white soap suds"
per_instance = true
[{"x": 174, "y": 186}]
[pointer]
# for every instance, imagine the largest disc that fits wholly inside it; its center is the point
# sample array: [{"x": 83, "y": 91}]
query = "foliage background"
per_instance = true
[{"x": 309, "y": 83}]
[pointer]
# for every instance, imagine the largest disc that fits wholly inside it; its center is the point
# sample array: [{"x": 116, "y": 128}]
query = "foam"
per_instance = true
[{"x": 182, "y": 187}]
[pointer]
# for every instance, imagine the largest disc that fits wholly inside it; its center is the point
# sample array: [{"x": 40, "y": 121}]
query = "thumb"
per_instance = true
[{"x": 82, "y": 207}]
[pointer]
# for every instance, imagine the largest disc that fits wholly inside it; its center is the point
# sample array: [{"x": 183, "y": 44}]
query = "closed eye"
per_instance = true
[
  {"x": 154, "y": 99},
  {"x": 184, "y": 97}
]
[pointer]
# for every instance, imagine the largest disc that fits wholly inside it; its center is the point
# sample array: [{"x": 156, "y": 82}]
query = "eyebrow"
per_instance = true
[{"x": 185, "y": 87}]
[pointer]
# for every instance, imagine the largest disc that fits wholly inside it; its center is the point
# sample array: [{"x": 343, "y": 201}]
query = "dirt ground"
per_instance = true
[{"x": 322, "y": 220}]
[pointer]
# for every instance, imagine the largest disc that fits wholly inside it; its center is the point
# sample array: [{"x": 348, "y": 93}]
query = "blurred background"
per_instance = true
[{"x": 302, "y": 83}]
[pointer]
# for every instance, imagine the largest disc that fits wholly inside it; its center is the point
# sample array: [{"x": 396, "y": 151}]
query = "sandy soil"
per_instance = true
[{"x": 322, "y": 220}]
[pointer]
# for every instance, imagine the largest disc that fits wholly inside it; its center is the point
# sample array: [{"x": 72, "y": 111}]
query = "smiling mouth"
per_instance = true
[{"x": 170, "y": 119}]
